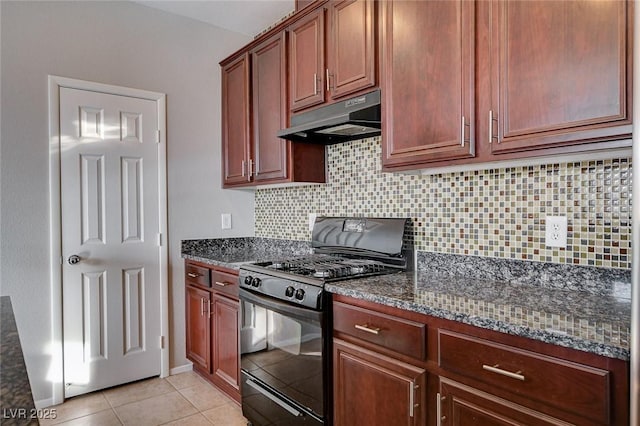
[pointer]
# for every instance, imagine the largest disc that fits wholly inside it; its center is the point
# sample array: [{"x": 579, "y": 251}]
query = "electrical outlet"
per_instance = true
[
  {"x": 226, "y": 220},
  {"x": 312, "y": 220},
  {"x": 556, "y": 231}
]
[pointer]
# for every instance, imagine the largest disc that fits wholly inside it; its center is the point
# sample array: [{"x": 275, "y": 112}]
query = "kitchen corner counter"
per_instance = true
[
  {"x": 233, "y": 252},
  {"x": 16, "y": 399},
  {"x": 580, "y": 320}
]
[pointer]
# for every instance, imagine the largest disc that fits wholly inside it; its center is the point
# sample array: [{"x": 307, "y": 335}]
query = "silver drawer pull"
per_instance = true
[
  {"x": 495, "y": 369},
  {"x": 221, "y": 284},
  {"x": 192, "y": 275},
  {"x": 368, "y": 329}
]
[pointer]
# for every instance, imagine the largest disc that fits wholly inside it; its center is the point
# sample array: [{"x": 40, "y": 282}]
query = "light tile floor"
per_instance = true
[{"x": 183, "y": 399}]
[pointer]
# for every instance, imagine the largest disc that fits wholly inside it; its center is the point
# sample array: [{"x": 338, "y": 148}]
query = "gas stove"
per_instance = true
[
  {"x": 285, "y": 327},
  {"x": 344, "y": 248}
]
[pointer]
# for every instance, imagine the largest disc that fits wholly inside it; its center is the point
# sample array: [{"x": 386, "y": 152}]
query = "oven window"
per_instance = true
[{"x": 283, "y": 352}]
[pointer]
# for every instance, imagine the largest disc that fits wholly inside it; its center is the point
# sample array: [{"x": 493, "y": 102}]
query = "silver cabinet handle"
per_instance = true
[
  {"x": 491, "y": 136},
  {"x": 243, "y": 168},
  {"x": 463, "y": 126},
  {"x": 412, "y": 398},
  {"x": 250, "y": 168},
  {"x": 192, "y": 275},
  {"x": 202, "y": 306},
  {"x": 315, "y": 83},
  {"x": 490, "y": 126},
  {"x": 367, "y": 328},
  {"x": 74, "y": 259},
  {"x": 439, "y": 417},
  {"x": 221, "y": 284},
  {"x": 497, "y": 370},
  {"x": 328, "y": 80}
]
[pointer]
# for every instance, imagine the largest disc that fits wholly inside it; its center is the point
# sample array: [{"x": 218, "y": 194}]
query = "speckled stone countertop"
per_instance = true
[
  {"x": 233, "y": 252},
  {"x": 589, "y": 310},
  {"x": 585, "y": 308},
  {"x": 16, "y": 399}
]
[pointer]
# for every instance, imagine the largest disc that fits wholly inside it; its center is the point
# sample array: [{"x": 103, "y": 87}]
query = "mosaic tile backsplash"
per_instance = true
[{"x": 493, "y": 213}]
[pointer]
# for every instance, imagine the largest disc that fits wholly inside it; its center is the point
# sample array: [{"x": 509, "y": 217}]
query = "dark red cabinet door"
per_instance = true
[
  {"x": 306, "y": 61},
  {"x": 427, "y": 80},
  {"x": 560, "y": 73},
  {"x": 198, "y": 330},
  {"x": 373, "y": 389},
  {"x": 351, "y": 57},
  {"x": 269, "y": 95},
  {"x": 226, "y": 348},
  {"x": 236, "y": 148}
]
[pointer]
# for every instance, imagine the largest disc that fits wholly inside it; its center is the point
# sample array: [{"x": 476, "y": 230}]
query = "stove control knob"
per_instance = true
[
  {"x": 247, "y": 280},
  {"x": 289, "y": 291},
  {"x": 256, "y": 282},
  {"x": 299, "y": 294}
]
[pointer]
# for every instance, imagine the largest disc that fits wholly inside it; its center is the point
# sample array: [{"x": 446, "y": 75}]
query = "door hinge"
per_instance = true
[
  {"x": 158, "y": 136},
  {"x": 161, "y": 342},
  {"x": 159, "y": 240}
]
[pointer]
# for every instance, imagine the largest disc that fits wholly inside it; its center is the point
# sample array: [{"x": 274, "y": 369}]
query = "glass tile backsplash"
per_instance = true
[{"x": 496, "y": 212}]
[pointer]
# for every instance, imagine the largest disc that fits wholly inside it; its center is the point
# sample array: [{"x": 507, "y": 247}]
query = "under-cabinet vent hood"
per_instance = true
[{"x": 351, "y": 119}]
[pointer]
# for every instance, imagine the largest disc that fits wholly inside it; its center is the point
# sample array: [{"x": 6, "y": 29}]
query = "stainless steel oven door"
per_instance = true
[{"x": 283, "y": 352}]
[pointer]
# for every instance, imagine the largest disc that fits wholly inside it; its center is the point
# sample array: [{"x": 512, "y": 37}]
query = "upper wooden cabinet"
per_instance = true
[
  {"x": 477, "y": 82},
  {"x": 332, "y": 53},
  {"x": 255, "y": 108},
  {"x": 560, "y": 73},
  {"x": 235, "y": 121},
  {"x": 427, "y": 51},
  {"x": 306, "y": 61},
  {"x": 351, "y": 57},
  {"x": 269, "y": 96}
]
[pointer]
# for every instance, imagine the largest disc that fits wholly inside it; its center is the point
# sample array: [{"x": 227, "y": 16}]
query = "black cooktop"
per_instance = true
[{"x": 327, "y": 267}]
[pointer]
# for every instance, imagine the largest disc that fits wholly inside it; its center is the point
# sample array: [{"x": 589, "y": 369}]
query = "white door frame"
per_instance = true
[{"x": 56, "y": 371}]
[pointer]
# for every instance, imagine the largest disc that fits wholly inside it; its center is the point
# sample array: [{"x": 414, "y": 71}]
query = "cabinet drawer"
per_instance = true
[
  {"x": 197, "y": 275},
  {"x": 397, "y": 334},
  {"x": 569, "y": 386},
  {"x": 226, "y": 283}
]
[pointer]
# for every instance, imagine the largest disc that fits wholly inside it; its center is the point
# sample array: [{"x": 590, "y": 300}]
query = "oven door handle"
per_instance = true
[
  {"x": 283, "y": 308},
  {"x": 274, "y": 398}
]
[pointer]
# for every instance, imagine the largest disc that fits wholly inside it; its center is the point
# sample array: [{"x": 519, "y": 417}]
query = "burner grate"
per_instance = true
[{"x": 329, "y": 267}]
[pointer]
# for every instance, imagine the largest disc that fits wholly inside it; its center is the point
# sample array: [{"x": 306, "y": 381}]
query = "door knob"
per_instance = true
[{"x": 73, "y": 259}]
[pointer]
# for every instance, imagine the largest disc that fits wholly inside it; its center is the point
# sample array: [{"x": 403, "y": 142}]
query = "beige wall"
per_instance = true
[{"x": 124, "y": 44}]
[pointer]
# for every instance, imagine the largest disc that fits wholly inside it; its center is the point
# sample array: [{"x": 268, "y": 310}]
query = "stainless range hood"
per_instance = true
[{"x": 351, "y": 119}]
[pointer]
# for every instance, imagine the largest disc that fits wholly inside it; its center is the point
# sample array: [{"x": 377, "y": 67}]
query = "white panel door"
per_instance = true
[{"x": 110, "y": 239}]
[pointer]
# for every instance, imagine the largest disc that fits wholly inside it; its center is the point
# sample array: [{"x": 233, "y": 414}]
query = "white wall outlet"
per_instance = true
[
  {"x": 226, "y": 220},
  {"x": 556, "y": 231},
  {"x": 312, "y": 220}
]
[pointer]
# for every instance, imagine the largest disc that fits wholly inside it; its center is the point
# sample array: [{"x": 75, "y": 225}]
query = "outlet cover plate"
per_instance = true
[
  {"x": 556, "y": 231},
  {"x": 226, "y": 220}
]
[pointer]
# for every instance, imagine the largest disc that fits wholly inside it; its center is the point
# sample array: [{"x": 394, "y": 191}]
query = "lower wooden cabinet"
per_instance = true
[
  {"x": 212, "y": 326},
  {"x": 475, "y": 376},
  {"x": 198, "y": 328},
  {"x": 374, "y": 389},
  {"x": 462, "y": 405},
  {"x": 224, "y": 327}
]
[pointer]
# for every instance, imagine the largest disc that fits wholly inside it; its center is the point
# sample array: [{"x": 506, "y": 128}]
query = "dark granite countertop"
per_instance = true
[
  {"x": 580, "y": 320},
  {"x": 587, "y": 309},
  {"x": 233, "y": 252},
  {"x": 16, "y": 399}
]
